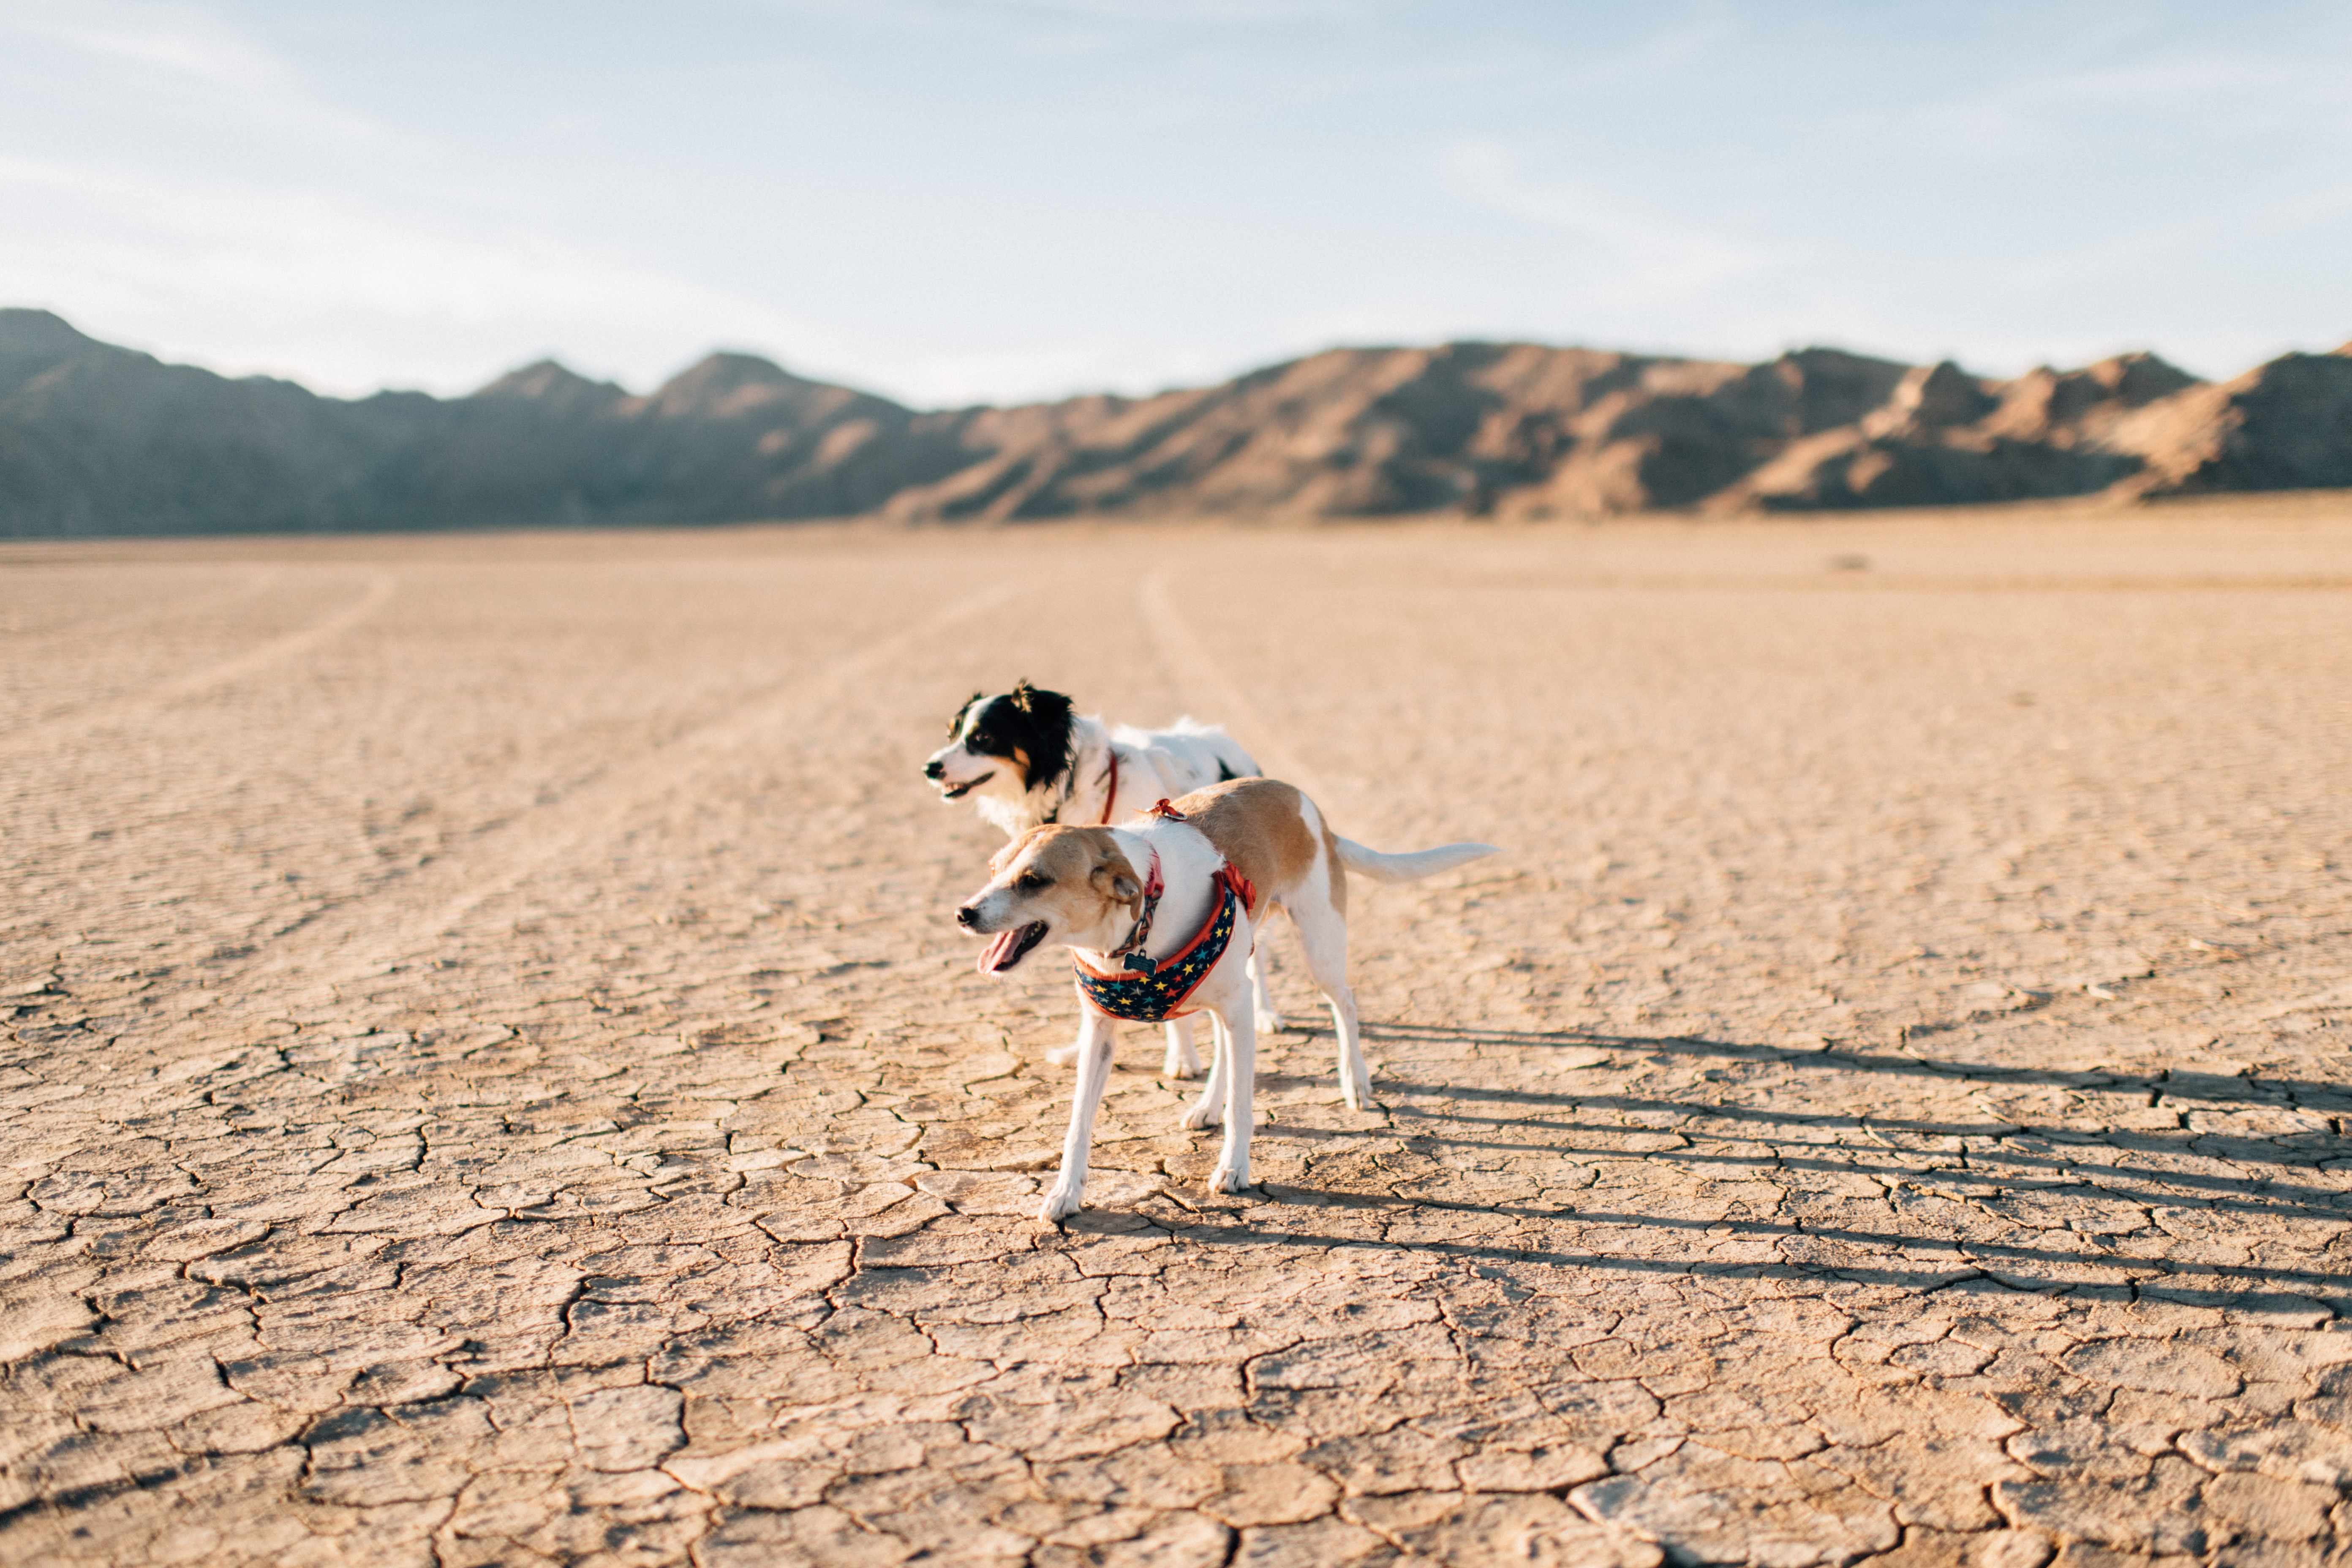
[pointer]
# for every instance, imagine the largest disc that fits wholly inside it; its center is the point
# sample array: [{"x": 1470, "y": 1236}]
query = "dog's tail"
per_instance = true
[{"x": 1410, "y": 868}]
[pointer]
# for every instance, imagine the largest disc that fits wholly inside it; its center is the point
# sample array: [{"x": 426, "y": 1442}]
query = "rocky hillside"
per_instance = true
[{"x": 96, "y": 440}]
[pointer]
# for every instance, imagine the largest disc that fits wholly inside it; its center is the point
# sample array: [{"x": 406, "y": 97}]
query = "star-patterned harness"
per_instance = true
[{"x": 1149, "y": 993}]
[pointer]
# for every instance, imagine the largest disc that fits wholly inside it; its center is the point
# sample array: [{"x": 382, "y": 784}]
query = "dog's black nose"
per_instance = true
[
  {"x": 935, "y": 769},
  {"x": 966, "y": 915}
]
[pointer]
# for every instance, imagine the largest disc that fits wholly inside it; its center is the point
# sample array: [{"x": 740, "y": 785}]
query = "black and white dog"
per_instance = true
[{"x": 1026, "y": 760}]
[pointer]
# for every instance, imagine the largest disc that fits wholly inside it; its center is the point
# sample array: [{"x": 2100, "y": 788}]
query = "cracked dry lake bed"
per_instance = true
[{"x": 490, "y": 1078}]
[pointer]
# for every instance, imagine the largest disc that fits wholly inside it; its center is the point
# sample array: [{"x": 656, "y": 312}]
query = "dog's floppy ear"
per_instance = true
[
  {"x": 1115, "y": 877},
  {"x": 1045, "y": 736}
]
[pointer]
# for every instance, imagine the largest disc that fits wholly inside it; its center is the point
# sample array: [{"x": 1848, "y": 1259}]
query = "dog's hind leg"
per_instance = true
[
  {"x": 1324, "y": 934},
  {"x": 1210, "y": 1109},
  {"x": 1183, "y": 1061},
  {"x": 1355, "y": 1076},
  {"x": 1262, "y": 999},
  {"x": 1095, "y": 1037}
]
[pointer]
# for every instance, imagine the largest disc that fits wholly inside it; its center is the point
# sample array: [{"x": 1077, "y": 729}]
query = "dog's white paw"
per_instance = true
[
  {"x": 1268, "y": 1022},
  {"x": 1229, "y": 1178},
  {"x": 1357, "y": 1092},
  {"x": 1062, "y": 1055},
  {"x": 1178, "y": 1067},
  {"x": 1060, "y": 1204},
  {"x": 1201, "y": 1116}
]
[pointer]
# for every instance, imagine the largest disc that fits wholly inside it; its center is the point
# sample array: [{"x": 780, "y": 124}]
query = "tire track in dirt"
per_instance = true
[
  {"x": 53, "y": 733},
  {"x": 196, "y": 604},
  {"x": 1187, "y": 658},
  {"x": 356, "y": 943}
]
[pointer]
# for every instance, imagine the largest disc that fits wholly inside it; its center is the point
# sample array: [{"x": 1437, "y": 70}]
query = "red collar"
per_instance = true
[
  {"x": 1130, "y": 952},
  {"x": 1147, "y": 991},
  {"x": 1152, "y": 888},
  {"x": 1111, "y": 798}
]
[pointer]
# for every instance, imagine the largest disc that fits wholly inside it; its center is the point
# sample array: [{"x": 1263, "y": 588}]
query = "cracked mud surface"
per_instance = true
[{"x": 489, "y": 1077}]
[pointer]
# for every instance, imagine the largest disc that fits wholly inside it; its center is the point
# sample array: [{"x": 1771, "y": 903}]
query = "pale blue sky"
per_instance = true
[{"x": 954, "y": 200}]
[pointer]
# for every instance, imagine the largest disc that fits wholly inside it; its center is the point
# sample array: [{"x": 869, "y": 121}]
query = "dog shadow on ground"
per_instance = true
[{"x": 1438, "y": 1119}]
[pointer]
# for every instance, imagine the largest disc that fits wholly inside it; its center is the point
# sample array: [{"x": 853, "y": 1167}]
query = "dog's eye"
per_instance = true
[{"x": 1029, "y": 882}]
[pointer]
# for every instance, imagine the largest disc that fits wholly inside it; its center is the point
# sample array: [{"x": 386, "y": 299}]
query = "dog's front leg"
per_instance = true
[
  {"x": 1238, "y": 1061},
  {"x": 1094, "y": 1036}
]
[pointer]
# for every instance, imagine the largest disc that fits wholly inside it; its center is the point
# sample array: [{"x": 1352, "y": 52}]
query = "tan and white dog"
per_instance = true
[
  {"x": 1138, "y": 905},
  {"x": 1028, "y": 759}
]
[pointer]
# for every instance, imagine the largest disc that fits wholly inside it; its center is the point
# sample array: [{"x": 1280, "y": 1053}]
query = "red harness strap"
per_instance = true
[
  {"x": 1242, "y": 889},
  {"x": 1110, "y": 799},
  {"x": 1149, "y": 992}
]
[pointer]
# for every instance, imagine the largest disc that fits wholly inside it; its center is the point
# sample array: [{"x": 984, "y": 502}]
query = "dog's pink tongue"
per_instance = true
[{"x": 997, "y": 952}]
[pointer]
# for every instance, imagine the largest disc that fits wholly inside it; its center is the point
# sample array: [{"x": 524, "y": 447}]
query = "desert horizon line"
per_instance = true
[
  {"x": 101, "y": 439},
  {"x": 1272, "y": 360}
]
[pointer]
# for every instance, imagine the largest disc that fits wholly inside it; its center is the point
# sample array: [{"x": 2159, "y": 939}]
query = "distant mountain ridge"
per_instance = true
[{"x": 95, "y": 439}]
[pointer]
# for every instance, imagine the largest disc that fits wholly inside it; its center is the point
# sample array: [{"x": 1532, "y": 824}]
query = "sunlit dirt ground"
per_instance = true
[{"x": 491, "y": 1076}]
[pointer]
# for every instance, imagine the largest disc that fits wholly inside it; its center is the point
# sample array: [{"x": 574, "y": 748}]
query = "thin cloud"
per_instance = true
[
  {"x": 1157, "y": 15},
  {"x": 2027, "y": 114},
  {"x": 196, "y": 48},
  {"x": 1650, "y": 259},
  {"x": 178, "y": 39},
  {"x": 146, "y": 240}
]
